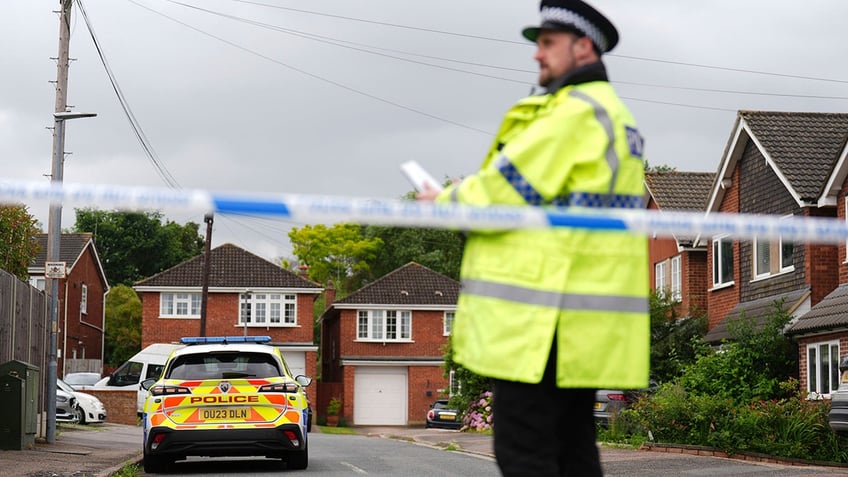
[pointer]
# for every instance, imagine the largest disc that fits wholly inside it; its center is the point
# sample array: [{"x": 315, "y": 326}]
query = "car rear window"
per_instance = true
[{"x": 224, "y": 365}]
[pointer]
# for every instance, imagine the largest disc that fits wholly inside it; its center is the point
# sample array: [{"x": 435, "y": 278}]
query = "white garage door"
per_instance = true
[
  {"x": 380, "y": 396},
  {"x": 296, "y": 361}
]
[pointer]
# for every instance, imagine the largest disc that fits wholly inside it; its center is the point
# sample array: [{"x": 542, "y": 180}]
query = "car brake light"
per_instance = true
[
  {"x": 617, "y": 397},
  {"x": 169, "y": 390},
  {"x": 431, "y": 414},
  {"x": 157, "y": 439},
  {"x": 279, "y": 388},
  {"x": 293, "y": 438}
]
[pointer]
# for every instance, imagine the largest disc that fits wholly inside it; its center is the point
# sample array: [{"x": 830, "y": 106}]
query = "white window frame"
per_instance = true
[
  {"x": 84, "y": 299},
  {"x": 454, "y": 384},
  {"x": 756, "y": 258},
  {"x": 447, "y": 323},
  {"x": 775, "y": 265},
  {"x": 660, "y": 281},
  {"x": 676, "y": 277},
  {"x": 718, "y": 247},
  {"x": 815, "y": 385},
  {"x": 179, "y": 305},
  {"x": 267, "y": 309},
  {"x": 377, "y": 325}
]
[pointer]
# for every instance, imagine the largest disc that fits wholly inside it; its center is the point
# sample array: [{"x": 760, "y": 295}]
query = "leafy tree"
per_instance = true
[
  {"x": 471, "y": 386},
  {"x": 675, "y": 340},
  {"x": 339, "y": 253},
  {"x": 438, "y": 250},
  {"x": 751, "y": 365},
  {"x": 18, "y": 245},
  {"x": 123, "y": 324},
  {"x": 136, "y": 245}
]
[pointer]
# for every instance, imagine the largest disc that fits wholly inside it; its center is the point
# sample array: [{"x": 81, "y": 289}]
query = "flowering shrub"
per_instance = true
[{"x": 479, "y": 415}]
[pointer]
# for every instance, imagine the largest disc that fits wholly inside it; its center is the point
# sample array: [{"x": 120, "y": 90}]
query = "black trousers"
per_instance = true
[{"x": 542, "y": 430}]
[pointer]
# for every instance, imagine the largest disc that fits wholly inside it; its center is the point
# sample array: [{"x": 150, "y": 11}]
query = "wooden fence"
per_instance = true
[{"x": 23, "y": 330}]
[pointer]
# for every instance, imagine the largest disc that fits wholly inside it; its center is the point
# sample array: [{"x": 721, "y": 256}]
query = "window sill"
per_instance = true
[
  {"x": 773, "y": 275},
  {"x": 382, "y": 341},
  {"x": 267, "y": 325},
  {"x": 722, "y": 286},
  {"x": 174, "y": 317}
]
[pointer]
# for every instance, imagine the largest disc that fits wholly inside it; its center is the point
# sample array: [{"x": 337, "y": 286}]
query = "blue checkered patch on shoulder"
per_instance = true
[{"x": 635, "y": 142}]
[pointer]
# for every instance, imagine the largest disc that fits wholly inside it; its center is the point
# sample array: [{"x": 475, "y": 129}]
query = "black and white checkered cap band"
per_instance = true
[{"x": 568, "y": 17}]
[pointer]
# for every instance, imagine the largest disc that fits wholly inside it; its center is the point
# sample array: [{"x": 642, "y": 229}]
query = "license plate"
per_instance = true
[
  {"x": 224, "y": 414},
  {"x": 447, "y": 417},
  {"x": 598, "y": 405}
]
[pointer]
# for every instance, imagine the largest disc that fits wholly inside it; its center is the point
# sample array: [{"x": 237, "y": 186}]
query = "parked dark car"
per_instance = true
[
  {"x": 838, "y": 416},
  {"x": 442, "y": 415},
  {"x": 609, "y": 402}
]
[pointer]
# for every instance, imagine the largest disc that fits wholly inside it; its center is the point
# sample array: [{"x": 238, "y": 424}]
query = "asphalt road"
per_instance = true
[{"x": 359, "y": 455}]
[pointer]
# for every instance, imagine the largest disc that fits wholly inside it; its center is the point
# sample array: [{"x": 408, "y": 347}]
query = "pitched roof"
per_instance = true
[
  {"x": 70, "y": 248},
  {"x": 411, "y": 284},
  {"x": 803, "y": 146},
  {"x": 757, "y": 310},
  {"x": 229, "y": 266},
  {"x": 830, "y": 313},
  {"x": 675, "y": 190}
]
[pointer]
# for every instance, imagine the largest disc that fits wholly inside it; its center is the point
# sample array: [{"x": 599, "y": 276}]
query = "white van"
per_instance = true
[{"x": 146, "y": 364}]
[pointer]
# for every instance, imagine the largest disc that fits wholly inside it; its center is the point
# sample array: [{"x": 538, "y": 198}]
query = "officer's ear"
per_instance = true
[{"x": 585, "y": 50}]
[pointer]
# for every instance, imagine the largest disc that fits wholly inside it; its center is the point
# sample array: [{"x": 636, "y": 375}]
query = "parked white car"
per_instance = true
[{"x": 91, "y": 409}]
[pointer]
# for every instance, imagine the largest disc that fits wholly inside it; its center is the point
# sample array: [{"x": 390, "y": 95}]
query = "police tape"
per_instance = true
[{"x": 404, "y": 213}]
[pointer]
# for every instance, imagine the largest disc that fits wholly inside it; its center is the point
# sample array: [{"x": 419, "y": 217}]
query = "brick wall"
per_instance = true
[
  {"x": 696, "y": 281},
  {"x": 121, "y": 406},
  {"x": 802, "y": 352},
  {"x": 222, "y": 312},
  {"x": 425, "y": 384},
  {"x": 721, "y": 301}
]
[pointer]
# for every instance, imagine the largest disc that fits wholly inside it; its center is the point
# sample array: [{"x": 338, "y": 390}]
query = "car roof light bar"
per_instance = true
[{"x": 190, "y": 340}]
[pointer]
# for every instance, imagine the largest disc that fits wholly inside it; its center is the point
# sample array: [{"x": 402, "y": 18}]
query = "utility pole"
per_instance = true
[
  {"x": 54, "y": 226},
  {"x": 207, "y": 260}
]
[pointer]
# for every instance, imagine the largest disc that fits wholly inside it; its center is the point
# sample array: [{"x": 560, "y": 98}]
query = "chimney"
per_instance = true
[{"x": 329, "y": 295}]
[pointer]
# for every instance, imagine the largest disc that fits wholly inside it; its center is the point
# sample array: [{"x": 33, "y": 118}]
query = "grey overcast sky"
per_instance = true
[{"x": 329, "y": 96}]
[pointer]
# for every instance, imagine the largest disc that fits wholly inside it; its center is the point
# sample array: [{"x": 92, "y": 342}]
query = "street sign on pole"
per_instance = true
[{"x": 54, "y": 270}]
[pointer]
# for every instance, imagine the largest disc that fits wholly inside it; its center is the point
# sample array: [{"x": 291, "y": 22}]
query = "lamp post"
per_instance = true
[{"x": 54, "y": 234}]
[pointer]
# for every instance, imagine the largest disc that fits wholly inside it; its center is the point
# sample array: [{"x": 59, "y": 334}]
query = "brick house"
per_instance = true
[
  {"x": 822, "y": 333},
  {"x": 678, "y": 263},
  {"x": 777, "y": 163},
  {"x": 383, "y": 346},
  {"x": 248, "y": 295},
  {"x": 82, "y": 299}
]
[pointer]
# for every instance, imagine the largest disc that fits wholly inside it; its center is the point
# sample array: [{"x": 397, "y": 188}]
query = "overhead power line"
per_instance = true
[
  {"x": 526, "y": 43},
  {"x": 312, "y": 75},
  {"x": 163, "y": 172}
]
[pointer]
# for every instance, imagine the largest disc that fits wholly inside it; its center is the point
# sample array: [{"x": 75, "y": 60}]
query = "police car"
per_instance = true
[{"x": 225, "y": 396}]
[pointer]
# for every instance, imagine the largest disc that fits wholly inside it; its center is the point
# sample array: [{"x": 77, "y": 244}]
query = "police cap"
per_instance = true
[{"x": 575, "y": 16}]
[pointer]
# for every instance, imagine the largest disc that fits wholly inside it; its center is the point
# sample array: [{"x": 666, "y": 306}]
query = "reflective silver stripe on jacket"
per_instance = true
[
  {"x": 603, "y": 117},
  {"x": 563, "y": 301}
]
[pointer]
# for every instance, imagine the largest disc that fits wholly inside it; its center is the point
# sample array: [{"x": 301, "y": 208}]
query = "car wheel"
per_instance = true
[
  {"x": 81, "y": 415},
  {"x": 298, "y": 460},
  {"x": 156, "y": 464}
]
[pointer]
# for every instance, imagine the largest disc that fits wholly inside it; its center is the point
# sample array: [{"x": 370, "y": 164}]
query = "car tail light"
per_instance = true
[
  {"x": 169, "y": 390},
  {"x": 157, "y": 439},
  {"x": 617, "y": 397},
  {"x": 431, "y": 414},
  {"x": 293, "y": 438},
  {"x": 279, "y": 388}
]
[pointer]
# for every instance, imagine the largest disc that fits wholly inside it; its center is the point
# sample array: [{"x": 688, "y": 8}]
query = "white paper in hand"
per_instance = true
[{"x": 418, "y": 176}]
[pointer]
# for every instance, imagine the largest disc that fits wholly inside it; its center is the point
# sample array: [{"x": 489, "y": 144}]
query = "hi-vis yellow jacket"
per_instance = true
[{"x": 576, "y": 147}]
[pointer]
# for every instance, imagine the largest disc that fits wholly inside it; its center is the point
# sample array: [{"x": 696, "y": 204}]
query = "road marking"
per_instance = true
[{"x": 353, "y": 468}]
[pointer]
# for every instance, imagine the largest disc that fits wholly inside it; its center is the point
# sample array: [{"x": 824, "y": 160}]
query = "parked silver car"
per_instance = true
[
  {"x": 838, "y": 416},
  {"x": 609, "y": 402},
  {"x": 67, "y": 409},
  {"x": 81, "y": 381}
]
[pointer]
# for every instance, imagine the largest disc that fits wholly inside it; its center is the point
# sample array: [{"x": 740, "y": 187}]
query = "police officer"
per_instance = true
[{"x": 551, "y": 315}]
